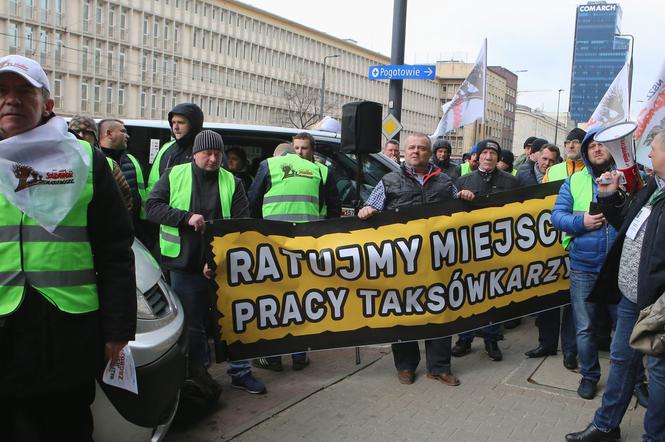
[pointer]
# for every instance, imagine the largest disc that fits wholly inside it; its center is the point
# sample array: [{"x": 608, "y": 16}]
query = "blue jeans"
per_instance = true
[
  {"x": 195, "y": 293},
  {"x": 586, "y": 316},
  {"x": 490, "y": 333},
  {"x": 551, "y": 323},
  {"x": 625, "y": 363},
  {"x": 239, "y": 369}
]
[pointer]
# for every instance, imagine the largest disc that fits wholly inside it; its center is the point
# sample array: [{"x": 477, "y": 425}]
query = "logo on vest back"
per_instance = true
[
  {"x": 289, "y": 172},
  {"x": 28, "y": 177}
]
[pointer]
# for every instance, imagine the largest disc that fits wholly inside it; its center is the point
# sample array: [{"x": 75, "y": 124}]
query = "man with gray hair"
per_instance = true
[{"x": 417, "y": 182}]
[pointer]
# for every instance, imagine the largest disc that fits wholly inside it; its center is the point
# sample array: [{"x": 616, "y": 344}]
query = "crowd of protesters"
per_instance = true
[{"x": 613, "y": 240}]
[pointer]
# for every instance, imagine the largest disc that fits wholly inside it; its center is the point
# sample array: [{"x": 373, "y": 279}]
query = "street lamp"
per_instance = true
[
  {"x": 556, "y": 125},
  {"x": 323, "y": 84},
  {"x": 630, "y": 65}
]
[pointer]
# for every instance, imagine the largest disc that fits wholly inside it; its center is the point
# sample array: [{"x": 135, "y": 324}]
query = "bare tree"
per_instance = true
[{"x": 303, "y": 97}]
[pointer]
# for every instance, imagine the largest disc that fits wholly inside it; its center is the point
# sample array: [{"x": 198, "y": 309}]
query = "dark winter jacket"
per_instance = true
[
  {"x": 480, "y": 185},
  {"x": 402, "y": 189},
  {"x": 180, "y": 152},
  {"x": 588, "y": 248},
  {"x": 448, "y": 167},
  {"x": 46, "y": 350},
  {"x": 204, "y": 201},
  {"x": 651, "y": 273},
  {"x": 130, "y": 174},
  {"x": 527, "y": 177}
]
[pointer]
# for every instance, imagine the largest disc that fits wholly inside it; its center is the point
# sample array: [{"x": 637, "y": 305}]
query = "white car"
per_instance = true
[{"x": 159, "y": 353}]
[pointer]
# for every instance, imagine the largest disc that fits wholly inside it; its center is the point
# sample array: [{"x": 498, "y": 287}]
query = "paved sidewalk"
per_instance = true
[{"x": 517, "y": 399}]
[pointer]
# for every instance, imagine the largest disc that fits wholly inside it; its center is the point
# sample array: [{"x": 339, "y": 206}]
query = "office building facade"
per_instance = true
[
  {"x": 136, "y": 60},
  {"x": 598, "y": 55}
]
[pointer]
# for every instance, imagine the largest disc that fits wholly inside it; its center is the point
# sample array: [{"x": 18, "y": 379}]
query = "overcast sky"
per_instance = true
[{"x": 532, "y": 35}]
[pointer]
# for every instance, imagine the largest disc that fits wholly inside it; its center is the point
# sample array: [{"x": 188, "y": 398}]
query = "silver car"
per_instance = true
[{"x": 159, "y": 352}]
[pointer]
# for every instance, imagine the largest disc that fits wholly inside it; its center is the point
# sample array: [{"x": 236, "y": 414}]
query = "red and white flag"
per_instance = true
[
  {"x": 613, "y": 107},
  {"x": 468, "y": 104},
  {"x": 650, "y": 119}
]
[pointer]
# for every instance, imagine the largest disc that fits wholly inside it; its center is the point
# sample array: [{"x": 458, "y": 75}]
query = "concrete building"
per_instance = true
[
  {"x": 533, "y": 122},
  {"x": 499, "y": 109},
  {"x": 128, "y": 59},
  {"x": 598, "y": 55}
]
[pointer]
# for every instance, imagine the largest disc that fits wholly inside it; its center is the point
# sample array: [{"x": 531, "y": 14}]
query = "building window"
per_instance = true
[
  {"x": 86, "y": 16},
  {"x": 84, "y": 58},
  {"x": 195, "y": 36},
  {"x": 98, "y": 58},
  {"x": 43, "y": 11},
  {"x": 109, "y": 100},
  {"x": 13, "y": 38},
  {"x": 84, "y": 97},
  {"x": 28, "y": 9},
  {"x": 121, "y": 63},
  {"x": 163, "y": 108},
  {"x": 97, "y": 99},
  {"x": 43, "y": 47},
  {"x": 144, "y": 67},
  {"x": 143, "y": 103},
  {"x": 176, "y": 37},
  {"x": 111, "y": 21},
  {"x": 165, "y": 70},
  {"x": 57, "y": 92},
  {"x": 121, "y": 99},
  {"x": 109, "y": 62},
  {"x": 28, "y": 41},
  {"x": 58, "y": 48},
  {"x": 99, "y": 18}
]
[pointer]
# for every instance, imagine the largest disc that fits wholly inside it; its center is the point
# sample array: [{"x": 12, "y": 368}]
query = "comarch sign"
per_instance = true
[{"x": 598, "y": 8}]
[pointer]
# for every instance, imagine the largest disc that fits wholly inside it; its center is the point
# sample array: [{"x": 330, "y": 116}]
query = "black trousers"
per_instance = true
[
  {"x": 437, "y": 354},
  {"x": 61, "y": 416}
]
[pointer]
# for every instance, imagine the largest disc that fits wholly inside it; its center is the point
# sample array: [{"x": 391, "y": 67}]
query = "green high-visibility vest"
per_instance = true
[
  {"x": 154, "y": 172},
  {"x": 464, "y": 169},
  {"x": 180, "y": 197},
  {"x": 514, "y": 172},
  {"x": 140, "y": 183},
  {"x": 581, "y": 190},
  {"x": 558, "y": 172},
  {"x": 294, "y": 195},
  {"x": 58, "y": 265}
]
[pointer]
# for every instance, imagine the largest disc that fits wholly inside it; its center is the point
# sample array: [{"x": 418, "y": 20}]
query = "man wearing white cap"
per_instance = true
[{"x": 67, "y": 286}]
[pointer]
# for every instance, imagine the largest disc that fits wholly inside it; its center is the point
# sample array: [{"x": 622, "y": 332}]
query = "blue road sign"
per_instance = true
[{"x": 402, "y": 72}]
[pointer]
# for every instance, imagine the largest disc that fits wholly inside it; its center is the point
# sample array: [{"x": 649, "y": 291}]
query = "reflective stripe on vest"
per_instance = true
[
  {"x": 58, "y": 265},
  {"x": 140, "y": 183},
  {"x": 294, "y": 192},
  {"x": 581, "y": 190},
  {"x": 154, "y": 171},
  {"x": 180, "y": 197},
  {"x": 465, "y": 168}
]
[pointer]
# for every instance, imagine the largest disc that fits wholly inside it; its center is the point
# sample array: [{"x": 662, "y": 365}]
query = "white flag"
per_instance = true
[
  {"x": 468, "y": 104},
  {"x": 613, "y": 107},
  {"x": 650, "y": 119}
]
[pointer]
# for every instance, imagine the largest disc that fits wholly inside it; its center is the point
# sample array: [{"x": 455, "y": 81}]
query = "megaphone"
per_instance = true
[{"x": 618, "y": 139}]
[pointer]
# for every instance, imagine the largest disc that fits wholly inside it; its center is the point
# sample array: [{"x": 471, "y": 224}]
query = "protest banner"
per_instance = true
[{"x": 420, "y": 272}]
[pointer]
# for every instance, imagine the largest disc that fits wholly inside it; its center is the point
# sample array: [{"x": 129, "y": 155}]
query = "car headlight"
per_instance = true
[{"x": 152, "y": 304}]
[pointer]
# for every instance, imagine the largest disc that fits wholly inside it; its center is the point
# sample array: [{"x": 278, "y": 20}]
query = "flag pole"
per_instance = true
[{"x": 485, "y": 91}]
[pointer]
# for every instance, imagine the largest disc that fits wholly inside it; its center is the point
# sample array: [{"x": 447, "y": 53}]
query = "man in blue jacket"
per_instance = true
[{"x": 588, "y": 238}]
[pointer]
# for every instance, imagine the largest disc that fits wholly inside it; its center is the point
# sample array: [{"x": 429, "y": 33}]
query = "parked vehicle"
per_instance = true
[
  {"x": 159, "y": 352},
  {"x": 258, "y": 142}
]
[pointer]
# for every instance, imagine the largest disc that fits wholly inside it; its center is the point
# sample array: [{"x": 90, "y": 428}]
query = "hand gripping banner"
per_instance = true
[{"x": 420, "y": 272}]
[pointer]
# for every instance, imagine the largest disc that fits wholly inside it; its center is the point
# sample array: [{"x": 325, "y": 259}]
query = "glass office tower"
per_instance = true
[{"x": 598, "y": 56}]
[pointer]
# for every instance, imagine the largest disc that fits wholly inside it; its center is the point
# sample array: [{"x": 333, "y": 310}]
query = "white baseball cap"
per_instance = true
[{"x": 26, "y": 68}]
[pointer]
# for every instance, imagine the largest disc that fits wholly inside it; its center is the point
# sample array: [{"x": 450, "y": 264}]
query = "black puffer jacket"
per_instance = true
[
  {"x": 480, "y": 184},
  {"x": 180, "y": 152},
  {"x": 651, "y": 273}
]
